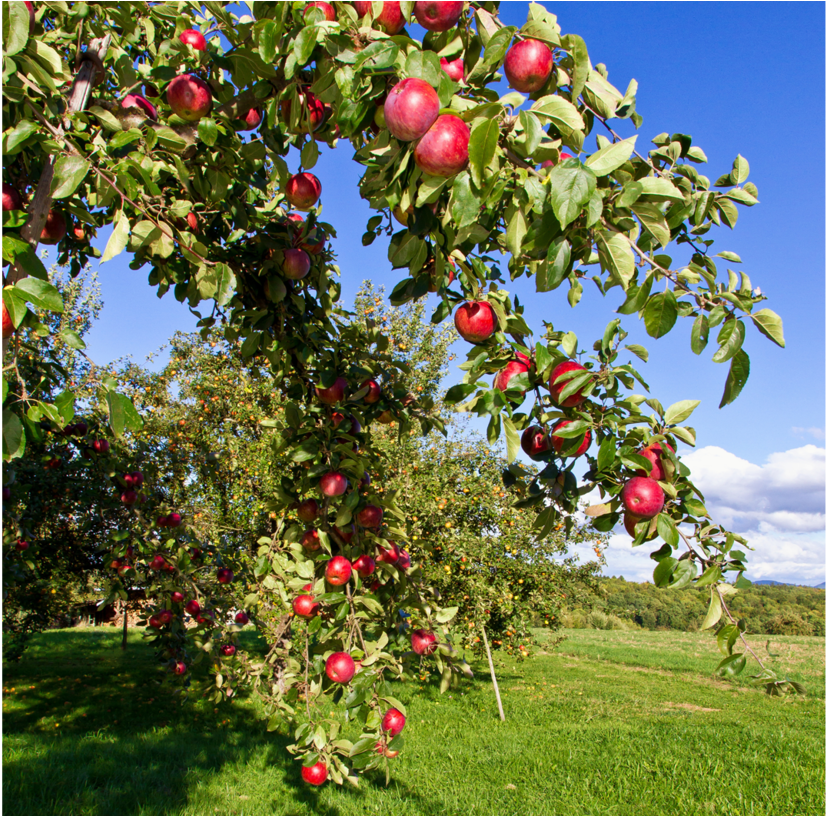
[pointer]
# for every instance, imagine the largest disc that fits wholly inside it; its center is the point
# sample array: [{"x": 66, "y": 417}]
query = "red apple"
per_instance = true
[
  {"x": 438, "y": 16},
  {"x": 100, "y": 446},
  {"x": 141, "y": 103},
  {"x": 370, "y": 516},
  {"x": 81, "y": 429},
  {"x": 340, "y": 667},
  {"x": 8, "y": 326},
  {"x": 528, "y": 65},
  {"x": 314, "y": 774},
  {"x": 393, "y": 721},
  {"x": 158, "y": 562},
  {"x": 345, "y": 533},
  {"x": 310, "y": 541},
  {"x": 194, "y": 38},
  {"x": 373, "y": 394},
  {"x": 388, "y": 556},
  {"x": 551, "y": 163},
  {"x": 189, "y": 97},
  {"x": 338, "y": 571},
  {"x": 303, "y": 191},
  {"x": 308, "y": 511},
  {"x": 430, "y": 269},
  {"x": 334, "y": 394},
  {"x": 166, "y": 616},
  {"x": 228, "y": 649},
  {"x": 337, "y": 418},
  {"x": 559, "y": 442},
  {"x": 333, "y": 484},
  {"x": 11, "y": 198},
  {"x": 128, "y": 497},
  {"x": 251, "y": 119},
  {"x": 177, "y": 597},
  {"x": 328, "y": 11},
  {"x": 442, "y": 151},
  {"x": 455, "y": 69},
  {"x": 475, "y": 321},
  {"x": 225, "y": 575},
  {"x": 411, "y": 108},
  {"x": 54, "y": 230},
  {"x": 630, "y": 521},
  {"x": 133, "y": 479},
  {"x": 556, "y": 386},
  {"x": 305, "y": 606},
  {"x": 364, "y": 566},
  {"x": 519, "y": 366},
  {"x": 390, "y": 18},
  {"x": 312, "y": 108},
  {"x": 535, "y": 441},
  {"x": 642, "y": 497},
  {"x": 242, "y": 618},
  {"x": 155, "y": 621},
  {"x": 423, "y": 642},
  {"x": 180, "y": 668},
  {"x": 296, "y": 264},
  {"x": 654, "y": 455},
  {"x": 404, "y": 559},
  {"x": 174, "y": 520},
  {"x": 22, "y": 545}
]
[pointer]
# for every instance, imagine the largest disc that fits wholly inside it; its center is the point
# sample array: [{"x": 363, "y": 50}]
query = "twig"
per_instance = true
[{"x": 731, "y": 618}]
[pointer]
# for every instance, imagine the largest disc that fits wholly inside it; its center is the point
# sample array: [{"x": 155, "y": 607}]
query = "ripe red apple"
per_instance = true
[
  {"x": 346, "y": 533},
  {"x": 100, "y": 446},
  {"x": 411, "y": 108},
  {"x": 535, "y": 441},
  {"x": 328, "y": 11},
  {"x": 373, "y": 391},
  {"x": 314, "y": 774},
  {"x": 177, "y": 597},
  {"x": 438, "y": 16},
  {"x": 242, "y": 618},
  {"x": 128, "y": 497},
  {"x": 642, "y": 497},
  {"x": 338, "y": 571},
  {"x": 193, "y": 607},
  {"x": 312, "y": 108},
  {"x": 79, "y": 233},
  {"x": 296, "y": 264},
  {"x": 305, "y": 606},
  {"x": 654, "y": 455},
  {"x": 337, "y": 418},
  {"x": 22, "y": 545},
  {"x": 475, "y": 321},
  {"x": 333, "y": 484},
  {"x": 334, "y": 394},
  {"x": 225, "y": 575},
  {"x": 340, "y": 667},
  {"x": 528, "y": 65},
  {"x": 194, "y": 38},
  {"x": 174, "y": 520},
  {"x": 81, "y": 428},
  {"x": 551, "y": 163},
  {"x": 559, "y": 441},
  {"x": 166, "y": 616},
  {"x": 228, "y": 649},
  {"x": 423, "y": 642},
  {"x": 556, "y": 387},
  {"x": 630, "y": 520},
  {"x": 54, "y": 230},
  {"x": 364, "y": 565},
  {"x": 141, "y": 103},
  {"x": 251, "y": 119},
  {"x": 11, "y": 198},
  {"x": 8, "y": 326},
  {"x": 189, "y": 97},
  {"x": 521, "y": 365},
  {"x": 310, "y": 541},
  {"x": 370, "y": 516},
  {"x": 180, "y": 668},
  {"x": 303, "y": 190},
  {"x": 442, "y": 151},
  {"x": 455, "y": 69},
  {"x": 308, "y": 511},
  {"x": 393, "y": 721},
  {"x": 133, "y": 479},
  {"x": 155, "y": 621},
  {"x": 390, "y": 18},
  {"x": 388, "y": 556},
  {"x": 404, "y": 559}
]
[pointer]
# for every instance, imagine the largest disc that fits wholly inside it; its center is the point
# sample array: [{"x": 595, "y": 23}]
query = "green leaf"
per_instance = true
[
  {"x": 14, "y": 435},
  {"x": 72, "y": 339},
  {"x": 660, "y": 189},
  {"x": 710, "y": 576},
  {"x": 660, "y": 314},
  {"x": 118, "y": 239},
  {"x": 616, "y": 256},
  {"x": 446, "y": 615},
  {"x": 309, "y": 154},
  {"x": 640, "y": 351},
  {"x": 305, "y": 43},
  {"x": 663, "y": 570},
  {"x": 771, "y": 325},
  {"x": 680, "y": 411},
  {"x": 737, "y": 376},
  {"x": 667, "y": 531},
  {"x": 517, "y": 229},
  {"x": 731, "y": 336},
  {"x": 699, "y": 334},
  {"x": 108, "y": 120},
  {"x": 207, "y": 131},
  {"x": 637, "y": 296},
  {"x": 122, "y": 414},
  {"x": 16, "y": 32},
  {"x": 715, "y": 610},
  {"x": 729, "y": 256},
  {"x": 482, "y": 147},
  {"x": 560, "y": 112},
  {"x": 512, "y": 437},
  {"x": 68, "y": 173},
  {"x": 555, "y": 268},
  {"x": 41, "y": 293},
  {"x": 611, "y": 157},
  {"x": 739, "y": 170},
  {"x": 571, "y": 187},
  {"x": 268, "y": 41},
  {"x": 18, "y": 134}
]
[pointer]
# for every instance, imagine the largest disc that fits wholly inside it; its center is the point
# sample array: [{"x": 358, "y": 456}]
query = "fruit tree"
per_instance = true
[{"x": 170, "y": 123}]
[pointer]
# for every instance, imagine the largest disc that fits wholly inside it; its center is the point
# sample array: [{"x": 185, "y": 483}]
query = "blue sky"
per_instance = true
[{"x": 715, "y": 71}]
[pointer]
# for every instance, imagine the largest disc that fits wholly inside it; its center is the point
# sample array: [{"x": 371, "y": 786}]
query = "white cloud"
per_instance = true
[{"x": 817, "y": 433}]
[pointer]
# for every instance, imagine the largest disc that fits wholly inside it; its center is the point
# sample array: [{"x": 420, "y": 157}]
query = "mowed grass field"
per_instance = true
[{"x": 607, "y": 723}]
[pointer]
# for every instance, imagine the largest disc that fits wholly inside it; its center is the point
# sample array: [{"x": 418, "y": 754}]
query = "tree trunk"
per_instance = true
[{"x": 124, "y": 605}]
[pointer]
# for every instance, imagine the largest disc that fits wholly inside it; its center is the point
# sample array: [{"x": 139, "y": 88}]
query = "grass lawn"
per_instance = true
[{"x": 608, "y": 723}]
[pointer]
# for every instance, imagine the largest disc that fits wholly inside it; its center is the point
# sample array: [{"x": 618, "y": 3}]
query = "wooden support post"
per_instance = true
[{"x": 493, "y": 676}]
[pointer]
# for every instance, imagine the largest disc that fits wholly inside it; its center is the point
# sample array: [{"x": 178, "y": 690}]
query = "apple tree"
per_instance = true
[{"x": 171, "y": 123}]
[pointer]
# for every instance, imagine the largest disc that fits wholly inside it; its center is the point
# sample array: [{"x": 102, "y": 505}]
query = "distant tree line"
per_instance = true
[{"x": 771, "y": 610}]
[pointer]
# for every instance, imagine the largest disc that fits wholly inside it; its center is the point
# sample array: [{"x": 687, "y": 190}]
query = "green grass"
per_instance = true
[{"x": 610, "y": 723}]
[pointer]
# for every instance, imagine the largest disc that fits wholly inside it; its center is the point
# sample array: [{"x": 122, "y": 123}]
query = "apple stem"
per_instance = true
[{"x": 493, "y": 676}]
